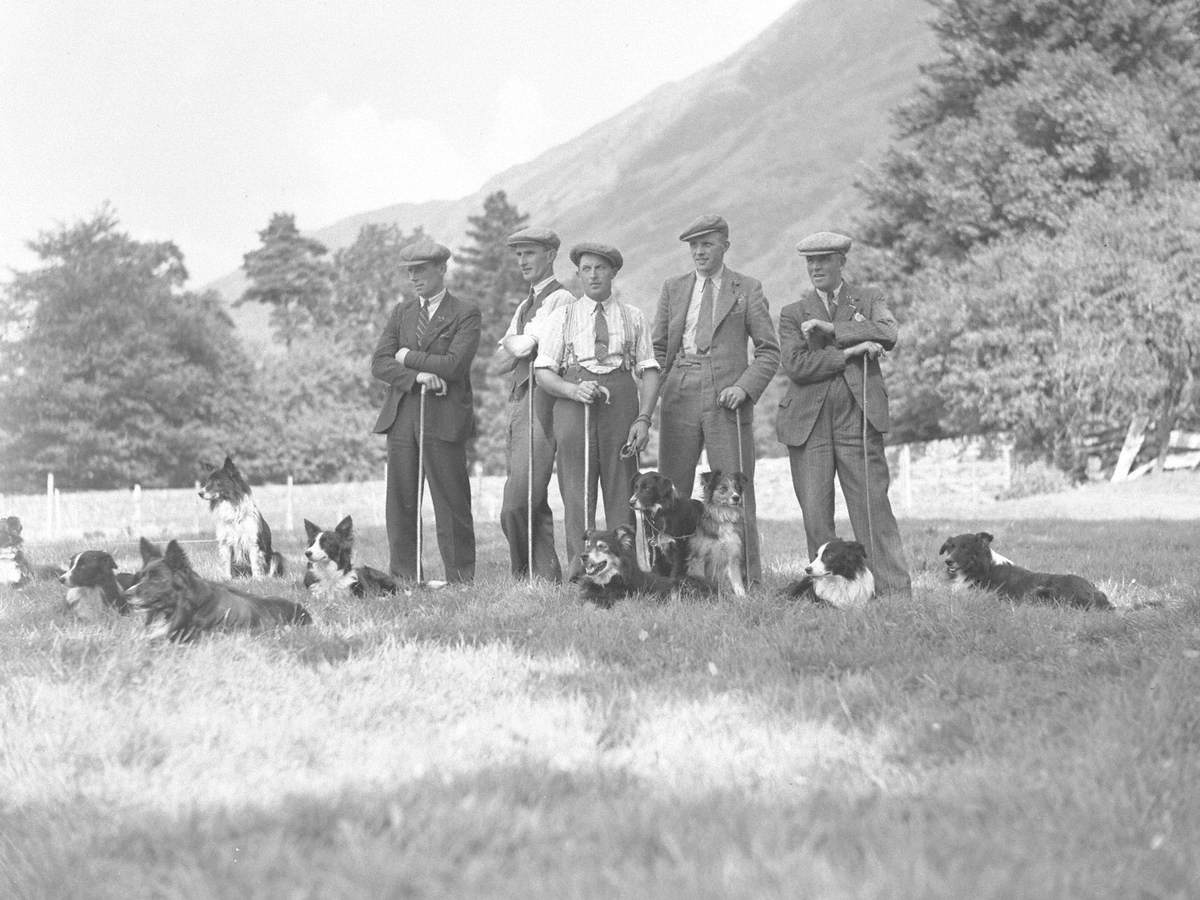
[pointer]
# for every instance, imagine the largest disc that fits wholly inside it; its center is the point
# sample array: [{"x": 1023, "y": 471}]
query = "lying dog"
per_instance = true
[
  {"x": 243, "y": 536},
  {"x": 970, "y": 560},
  {"x": 718, "y": 545},
  {"x": 610, "y": 571},
  {"x": 168, "y": 588},
  {"x": 94, "y": 584},
  {"x": 669, "y": 520},
  {"x": 838, "y": 576},
  {"x": 15, "y": 568},
  {"x": 330, "y": 572}
]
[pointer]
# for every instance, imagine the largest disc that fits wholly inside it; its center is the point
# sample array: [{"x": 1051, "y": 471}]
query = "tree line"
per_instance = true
[{"x": 1036, "y": 221}]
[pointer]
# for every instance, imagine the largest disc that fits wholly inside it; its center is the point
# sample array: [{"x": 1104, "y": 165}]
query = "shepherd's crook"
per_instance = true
[
  {"x": 529, "y": 484},
  {"x": 420, "y": 484}
]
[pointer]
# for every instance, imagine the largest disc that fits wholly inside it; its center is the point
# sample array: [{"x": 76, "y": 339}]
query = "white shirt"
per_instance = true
[
  {"x": 693, "y": 312},
  {"x": 433, "y": 302},
  {"x": 572, "y": 328},
  {"x": 549, "y": 304},
  {"x": 832, "y": 295}
]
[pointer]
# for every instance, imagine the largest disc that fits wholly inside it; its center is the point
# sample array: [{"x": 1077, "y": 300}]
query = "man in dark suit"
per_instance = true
[
  {"x": 832, "y": 340},
  {"x": 428, "y": 343},
  {"x": 702, "y": 325}
]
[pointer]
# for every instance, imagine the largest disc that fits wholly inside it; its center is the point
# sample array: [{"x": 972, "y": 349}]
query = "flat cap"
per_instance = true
[
  {"x": 823, "y": 242},
  {"x": 704, "y": 225},
  {"x": 542, "y": 236},
  {"x": 612, "y": 254},
  {"x": 423, "y": 251}
]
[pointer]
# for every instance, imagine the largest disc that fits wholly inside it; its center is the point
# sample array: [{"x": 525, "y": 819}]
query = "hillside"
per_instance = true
[{"x": 772, "y": 137}]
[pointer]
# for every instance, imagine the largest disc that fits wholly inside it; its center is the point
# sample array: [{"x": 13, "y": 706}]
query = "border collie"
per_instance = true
[
  {"x": 330, "y": 572},
  {"x": 94, "y": 584},
  {"x": 610, "y": 571},
  {"x": 668, "y": 519},
  {"x": 168, "y": 588},
  {"x": 837, "y": 576},
  {"x": 15, "y": 568},
  {"x": 718, "y": 543},
  {"x": 970, "y": 560},
  {"x": 243, "y": 536}
]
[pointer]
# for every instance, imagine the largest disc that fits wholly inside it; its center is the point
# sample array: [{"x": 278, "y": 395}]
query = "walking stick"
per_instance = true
[
  {"x": 587, "y": 443},
  {"x": 737, "y": 411},
  {"x": 529, "y": 485},
  {"x": 420, "y": 484},
  {"x": 867, "y": 463}
]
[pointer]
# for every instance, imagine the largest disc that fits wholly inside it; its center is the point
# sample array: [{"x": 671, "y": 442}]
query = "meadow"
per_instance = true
[{"x": 507, "y": 741}]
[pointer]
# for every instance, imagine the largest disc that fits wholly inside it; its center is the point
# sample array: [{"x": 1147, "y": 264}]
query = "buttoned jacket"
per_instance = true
[
  {"x": 812, "y": 364},
  {"x": 740, "y": 311},
  {"x": 446, "y": 349}
]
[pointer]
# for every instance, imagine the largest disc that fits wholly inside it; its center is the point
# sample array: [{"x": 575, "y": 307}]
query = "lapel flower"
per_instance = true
[{"x": 859, "y": 317}]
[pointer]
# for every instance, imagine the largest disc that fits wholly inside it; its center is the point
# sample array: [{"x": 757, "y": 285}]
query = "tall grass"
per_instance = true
[{"x": 508, "y": 741}]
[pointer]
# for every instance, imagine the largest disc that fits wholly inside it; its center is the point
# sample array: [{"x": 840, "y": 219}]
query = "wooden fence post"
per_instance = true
[
  {"x": 196, "y": 508},
  {"x": 50, "y": 504},
  {"x": 289, "y": 516},
  {"x": 135, "y": 526}
]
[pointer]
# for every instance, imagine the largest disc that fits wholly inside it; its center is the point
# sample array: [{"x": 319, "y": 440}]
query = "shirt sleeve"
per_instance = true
[
  {"x": 550, "y": 340},
  {"x": 643, "y": 345}
]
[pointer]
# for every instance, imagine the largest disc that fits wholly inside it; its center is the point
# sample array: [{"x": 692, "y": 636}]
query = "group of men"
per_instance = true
[{"x": 585, "y": 377}]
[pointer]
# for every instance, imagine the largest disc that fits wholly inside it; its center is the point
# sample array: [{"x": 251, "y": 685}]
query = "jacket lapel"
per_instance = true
[
  {"x": 680, "y": 299},
  {"x": 438, "y": 321},
  {"x": 730, "y": 285},
  {"x": 847, "y": 304}
]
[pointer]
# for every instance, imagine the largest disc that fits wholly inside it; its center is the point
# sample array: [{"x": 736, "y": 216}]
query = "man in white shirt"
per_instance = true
[{"x": 535, "y": 250}]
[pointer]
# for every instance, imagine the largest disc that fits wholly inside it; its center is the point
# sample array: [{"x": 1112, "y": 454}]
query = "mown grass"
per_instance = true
[{"x": 507, "y": 741}]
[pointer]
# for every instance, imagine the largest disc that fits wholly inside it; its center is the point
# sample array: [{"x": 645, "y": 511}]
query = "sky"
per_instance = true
[{"x": 197, "y": 121}]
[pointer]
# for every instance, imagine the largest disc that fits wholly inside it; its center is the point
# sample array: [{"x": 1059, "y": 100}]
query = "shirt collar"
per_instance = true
[
  {"x": 832, "y": 295},
  {"x": 716, "y": 276},
  {"x": 433, "y": 301},
  {"x": 541, "y": 285}
]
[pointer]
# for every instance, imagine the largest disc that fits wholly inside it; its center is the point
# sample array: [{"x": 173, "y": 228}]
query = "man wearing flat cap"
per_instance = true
[
  {"x": 597, "y": 353},
  {"x": 832, "y": 340},
  {"x": 428, "y": 344},
  {"x": 535, "y": 250},
  {"x": 703, "y": 325}
]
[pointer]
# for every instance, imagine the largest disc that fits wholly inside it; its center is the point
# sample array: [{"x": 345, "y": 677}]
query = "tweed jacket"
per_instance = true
[
  {"x": 812, "y": 365},
  {"x": 446, "y": 350},
  {"x": 740, "y": 309}
]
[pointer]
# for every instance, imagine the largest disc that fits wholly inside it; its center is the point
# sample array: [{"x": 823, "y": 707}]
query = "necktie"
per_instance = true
[
  {"x": 600, "y": 331},
  {"x": 832, "y": 305},
  {"x": 704, "y": 324},
  {"x": 422, "y": 320},
  {"x": 527, "y": 312}
]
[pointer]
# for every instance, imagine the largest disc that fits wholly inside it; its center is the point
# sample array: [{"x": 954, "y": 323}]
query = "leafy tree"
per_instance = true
[
  {"x": 368, "y": 282},
  {"x": 113, "y": 374},
  {"x": 1031, "y": 108},
  {"x": 488, "y": 276},
  {"x": 289, "y": 272}
]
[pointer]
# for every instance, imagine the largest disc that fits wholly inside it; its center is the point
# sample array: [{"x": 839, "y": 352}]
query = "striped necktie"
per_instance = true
[
  {"x": 600, "y": 332},
  {"x": 422, "y": 319},
  {"x": 704, "y": 322}
]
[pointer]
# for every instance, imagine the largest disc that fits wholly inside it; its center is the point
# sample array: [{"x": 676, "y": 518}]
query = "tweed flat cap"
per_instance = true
[
  {"x": 823, "y": 242},
  {"x": 612, "y": 254},
  {"x": 423, "y": 251},
  {"x": 543, "y": 237},
  {"x": 704, "y": 225}
]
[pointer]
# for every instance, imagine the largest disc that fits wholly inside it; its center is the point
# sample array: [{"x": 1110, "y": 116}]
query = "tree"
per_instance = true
[
  {"x": 113, "y": 374},
  {"x": 488, "y": 276},
  {"x": 289, "y": 272},
  {"x": 1031, "y": 108},
  {"x": 368, "y": 280}
]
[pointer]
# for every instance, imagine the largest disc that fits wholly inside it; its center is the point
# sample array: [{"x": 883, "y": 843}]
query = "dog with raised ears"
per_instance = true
[
  {"x": 719, "y": 546},
  {"x": 970, "y": 560},
  {"x": 243, "y": 536},
  {"x": 168, "y": 588},
  {"x": 668, "y": 520},
  {"x": 94, "y": 584},
  {"x": 610, "y": 572},
  {"x": 15, "y": 568},
  {"x": 330, "y": 571},
  {"x": 837, "y": 576}
]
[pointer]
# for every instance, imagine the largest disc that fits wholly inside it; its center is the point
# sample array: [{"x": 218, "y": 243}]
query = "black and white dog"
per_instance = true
[
  {"x": 243, "y": 536},
  {"x": 330, "y": 570},
  {"x": 970, "y": 560},
  {"x": 94, "y": 584},
  {"x": 838, "y": 576},
  {"x": 668, "y": 520},
  {"x": 718, "y": 546}
]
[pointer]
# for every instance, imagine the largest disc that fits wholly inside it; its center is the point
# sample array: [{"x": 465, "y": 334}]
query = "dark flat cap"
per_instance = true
[
  {"x": 823, "y": 242},
  {"x": 423, "y": 251},
  {"x": 704, "y": 225},
  {"x": 543, "y": 237},
  {"x": 612, "y": 254}
]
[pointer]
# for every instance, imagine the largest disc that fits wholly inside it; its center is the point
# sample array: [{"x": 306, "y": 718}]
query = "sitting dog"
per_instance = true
[
  {"x": 168, "y": 588},
  {"x": 94, "y": 584},
  {"x": 610, "y": 571},
  {"x": 15, "y": 568},
  {"x": 718, "y": 544},
  {"x": 243, "y": 536},
  {"x": 838, "y": 576},
  {"x": 329, "y": 571},
  {"x": 669, "y": 520},
  {"x": 970, "y": 560}
]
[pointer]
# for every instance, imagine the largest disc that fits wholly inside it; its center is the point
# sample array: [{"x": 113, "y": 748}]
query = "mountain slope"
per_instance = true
[{"x": 773, "y": 138}]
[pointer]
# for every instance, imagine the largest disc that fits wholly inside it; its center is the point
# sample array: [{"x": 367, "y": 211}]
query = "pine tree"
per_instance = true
[{"x": 290, "y": 273}]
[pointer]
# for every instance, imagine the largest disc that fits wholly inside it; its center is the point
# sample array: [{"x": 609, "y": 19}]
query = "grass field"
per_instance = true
[{"x": 509, "y": 742}]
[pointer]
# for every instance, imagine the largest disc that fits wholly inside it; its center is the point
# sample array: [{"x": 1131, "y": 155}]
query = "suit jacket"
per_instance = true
[
  {"x": 739, "y": 310},
  {"x": 813, "y": 364},
  {"x": 446, "y": 350}
]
